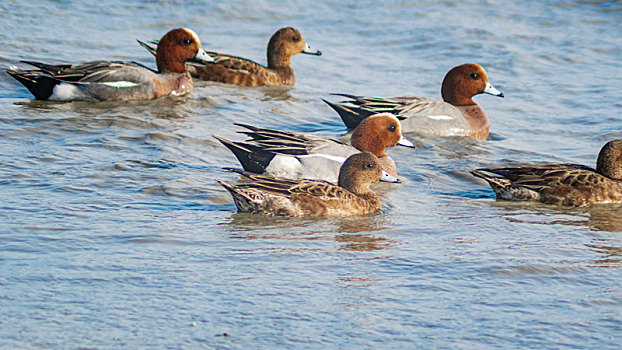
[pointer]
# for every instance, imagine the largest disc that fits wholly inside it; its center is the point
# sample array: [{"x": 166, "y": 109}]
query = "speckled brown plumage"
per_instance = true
[
  {"x": 229, "y": 69},
  {"x": 562, "y": 184},
  {"x": 286, "y": 197}
]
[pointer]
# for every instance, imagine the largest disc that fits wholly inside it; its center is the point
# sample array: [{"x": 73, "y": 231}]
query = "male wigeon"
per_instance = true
[
  {"x": 228, "y": 69},
  {"x": 118, "y": 81},
  {"x": 562, "y": 184},
  {"x": 457, "y": 115},
  {"x": 286, "y": 197},
  {"x": 300, "y": 156}
]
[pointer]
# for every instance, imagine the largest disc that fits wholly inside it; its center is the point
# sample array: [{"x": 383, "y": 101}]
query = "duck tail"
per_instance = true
[
  {"x": 40, "y": 85},
  {"x": 351, "y": 117},
  {"x": 242, "y": 201},
  {"x": 495, "y": 180},
  {"x": 147, "y": 46},
  {"x": 252, "y": 158},
  {"x": 487, "y": 174}
]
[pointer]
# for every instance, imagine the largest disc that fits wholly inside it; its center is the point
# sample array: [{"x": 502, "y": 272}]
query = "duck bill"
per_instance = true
[
  {"x": 491, "y": 90},
  {"x": 309, "y": 51},
  {"x": 386, "y": 177},
  {"x": 203, "y": 56},
  {"x": 405, "y": 143}
]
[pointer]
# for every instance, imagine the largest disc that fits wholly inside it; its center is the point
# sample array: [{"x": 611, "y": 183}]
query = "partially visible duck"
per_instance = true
[
  {"x": 301, "y": 156},
  {"x": 285, "y": 197},
  {"x": 562, "y": 184},
  {"x": 457, "y": 115},
  {"x": 228, "y": 69},
  {"x": 116, "y": 80}
]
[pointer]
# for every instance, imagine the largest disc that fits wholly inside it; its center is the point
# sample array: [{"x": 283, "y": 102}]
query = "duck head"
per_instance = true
[
  {"x": 463, "y": 82},
  {"x": 284, "y": 44},
  {"x": 178, "y": 46},
  {"x": 360, "y": 170},
  {"x": 378, "y": 132},
  {"x": 609, "y": 162}
]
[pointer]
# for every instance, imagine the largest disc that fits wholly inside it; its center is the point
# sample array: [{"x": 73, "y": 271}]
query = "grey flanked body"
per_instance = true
[
  {"x": 456, "y": 115},
  {"x": 429, "y": 116},
  {"x": 301, "y": 156},
  {"x": 117, "y": 81}
]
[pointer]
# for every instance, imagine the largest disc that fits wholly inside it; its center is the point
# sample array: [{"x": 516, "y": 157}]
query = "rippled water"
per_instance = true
[{"x": 114, "y": 233}]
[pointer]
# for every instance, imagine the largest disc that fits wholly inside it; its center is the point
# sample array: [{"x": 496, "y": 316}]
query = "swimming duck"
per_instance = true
[
  {"x": 116, "y": 80},
  {"x": 457, "y": 115},
  {"x": 286, "y": 197},
  {"x": 301, "y": 156},
  {"x": 228, "y": 69},
  {"x": 561, "y": 184}
]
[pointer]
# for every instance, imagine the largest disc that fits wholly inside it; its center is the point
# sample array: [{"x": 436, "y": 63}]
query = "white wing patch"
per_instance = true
[
  {"x": 440, "y": 117},
  {"x": 120, "y": 84}
]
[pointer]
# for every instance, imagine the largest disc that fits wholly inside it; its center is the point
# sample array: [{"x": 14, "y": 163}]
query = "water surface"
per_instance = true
[{"x": 115, "y": 234}]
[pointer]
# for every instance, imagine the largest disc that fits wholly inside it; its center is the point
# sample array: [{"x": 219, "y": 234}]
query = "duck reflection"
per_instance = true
[
  {"x": 352, "y": 234},
  {"x": 604, "y": 221}
]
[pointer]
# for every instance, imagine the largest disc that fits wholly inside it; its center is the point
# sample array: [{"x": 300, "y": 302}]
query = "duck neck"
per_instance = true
[
  {"x": 169, "y": 62},
  {"x": 372, "y": 201},
  {"x": 366, "y": 144},
  {"x": 277, "y": 59},
  {"x": 356, "y": 188},
  {"x": 480, "y": 125},
  {"x": 388, "y": 165},
  {"x": 451, "y": 94}
]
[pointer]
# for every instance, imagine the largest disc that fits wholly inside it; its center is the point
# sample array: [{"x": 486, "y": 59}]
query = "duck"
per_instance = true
[
  {"x": 300, "y": 197},
  {"x": 228, "y": 69},
  {"x": 456, "y": 115},
  {"x": 302, "y": 156},
  {"x": 561, "y": 184},
  {"x": 118, "y": 80}
]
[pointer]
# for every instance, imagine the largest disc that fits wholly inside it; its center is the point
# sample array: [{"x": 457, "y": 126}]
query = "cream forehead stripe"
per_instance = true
[{"x": 194, "y": 35}]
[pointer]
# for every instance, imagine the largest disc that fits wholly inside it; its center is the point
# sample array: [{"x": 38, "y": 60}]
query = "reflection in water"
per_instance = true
[
  {"x": 611, "y": 257},
  {"x": 363, "y": 243},
  {"x": 352, "y": 233},
  {"x": 605, "y": 220}
]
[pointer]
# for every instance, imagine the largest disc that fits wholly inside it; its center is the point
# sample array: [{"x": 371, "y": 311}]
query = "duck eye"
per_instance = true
[
  {"x": 474, "y": 76},
  {"x": 391, "y": 128},
  {"x": 370, "y": 165},
  {"x": 295, "y": 38},
  {"x": 186, "y": 42}
]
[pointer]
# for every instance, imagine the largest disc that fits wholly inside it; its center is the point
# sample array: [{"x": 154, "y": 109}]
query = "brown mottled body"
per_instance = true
[
  {"x": 237, "y": 71},
  {"x": 286, "y": 197},
  {"x": 228, "y": 69},
  {"x": 562, "y": 184}
]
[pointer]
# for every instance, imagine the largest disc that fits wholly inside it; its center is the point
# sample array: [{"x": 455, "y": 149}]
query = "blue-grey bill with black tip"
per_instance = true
[
  {"x": 386, "y": 177},
  {"x": 405, "y": 143},
  {"x": 309, "y": 51}
]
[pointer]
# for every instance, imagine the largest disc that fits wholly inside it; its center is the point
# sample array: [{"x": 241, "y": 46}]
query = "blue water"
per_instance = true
[{"x": 114, "y": 233}]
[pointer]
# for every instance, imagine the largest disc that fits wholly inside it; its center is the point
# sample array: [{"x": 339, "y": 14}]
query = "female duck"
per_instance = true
[
  {"x": 457, "y": 115},
  {"x": 118, "y": 81},
  {"x": 228, "y": 69},
  {"x": 283, "y": 197},
  {"x": 562, "y": 184},
  {"x": 300, "y": 156}
]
